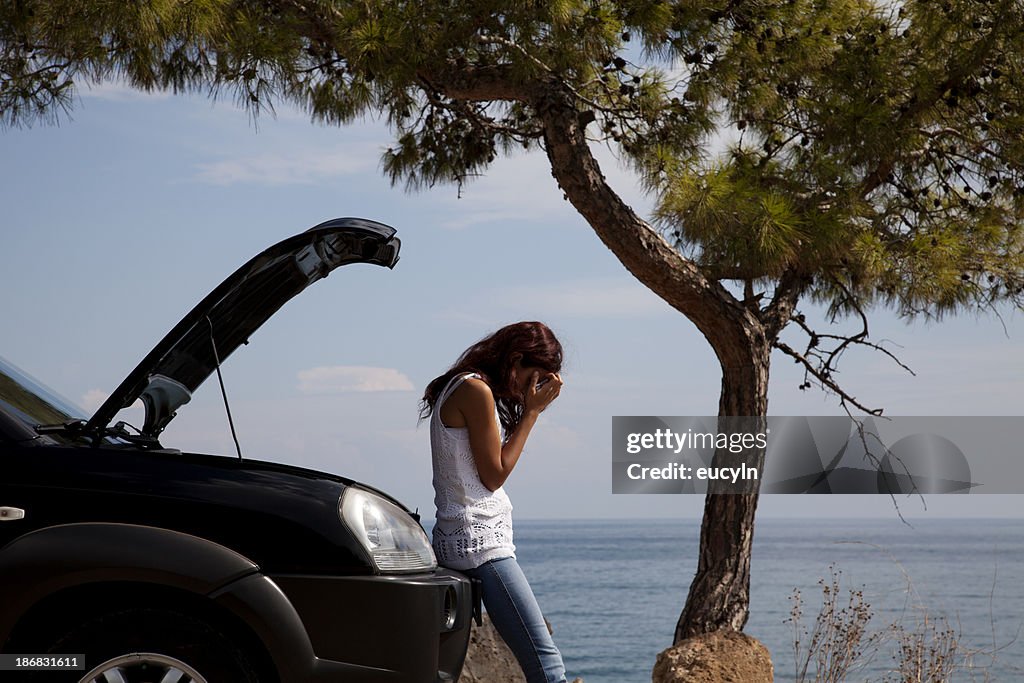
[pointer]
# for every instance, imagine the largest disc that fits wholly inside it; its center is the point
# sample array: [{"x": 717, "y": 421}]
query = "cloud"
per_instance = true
[
  {"x": 586, "y": 298},
  {"x": 340, "y": 379},
  {"x": 295, "y": 167},
  {"x": 93, "y": 399}
]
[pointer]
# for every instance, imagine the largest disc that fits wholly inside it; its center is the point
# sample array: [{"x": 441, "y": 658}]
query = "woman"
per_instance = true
[{"x": 481, "y": 413}]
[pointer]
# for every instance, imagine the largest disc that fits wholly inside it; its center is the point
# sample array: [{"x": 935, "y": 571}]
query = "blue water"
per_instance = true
[{"x": 613, "y": 589}]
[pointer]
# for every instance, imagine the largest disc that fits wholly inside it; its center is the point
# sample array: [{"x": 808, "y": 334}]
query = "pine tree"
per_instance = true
[{"x": 855, "y": 154}]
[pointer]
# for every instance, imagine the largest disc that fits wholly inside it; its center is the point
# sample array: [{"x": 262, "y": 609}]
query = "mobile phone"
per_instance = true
[{"x": 543, "y": 381}]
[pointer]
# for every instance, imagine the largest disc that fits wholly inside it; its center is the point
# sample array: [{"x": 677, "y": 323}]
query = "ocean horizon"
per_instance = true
[{"x": 613, "y": 589}]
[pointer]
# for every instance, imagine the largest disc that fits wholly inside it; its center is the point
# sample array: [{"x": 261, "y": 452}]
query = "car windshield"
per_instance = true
[{"x": 30, "y": 401}]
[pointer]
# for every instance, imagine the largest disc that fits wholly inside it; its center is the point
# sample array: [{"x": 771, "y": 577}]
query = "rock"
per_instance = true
[
  {"x": 489, "y": 660},
  {"x": 719, "y": 657}
]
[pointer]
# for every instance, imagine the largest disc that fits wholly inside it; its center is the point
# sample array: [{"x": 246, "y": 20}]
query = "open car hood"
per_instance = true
[{"x": 167, "y": 377}]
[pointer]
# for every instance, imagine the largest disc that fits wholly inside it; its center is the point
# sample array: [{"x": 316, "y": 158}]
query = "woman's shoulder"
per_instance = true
[
  {"x": 471, "y": 396},
  {"x": 473, "y": 387}
]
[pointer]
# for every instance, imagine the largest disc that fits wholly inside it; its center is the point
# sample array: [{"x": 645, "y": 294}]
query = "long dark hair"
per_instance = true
[{"x": 492, "y": 359}]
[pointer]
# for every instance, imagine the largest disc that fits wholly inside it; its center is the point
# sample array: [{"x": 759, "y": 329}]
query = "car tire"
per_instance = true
[{"x": 143, "y": 644}]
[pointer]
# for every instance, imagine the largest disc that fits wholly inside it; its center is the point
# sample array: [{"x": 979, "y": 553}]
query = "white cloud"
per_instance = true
[
  {"x": 93, "y": 399},
  {"x": 295, "y": 167},
  {"x": 586, "y": 298},
  {"x": 337, "y": 379}
]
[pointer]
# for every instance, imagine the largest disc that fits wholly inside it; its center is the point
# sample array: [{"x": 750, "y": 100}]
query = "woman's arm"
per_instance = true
[{"x": 494, "y": 460}]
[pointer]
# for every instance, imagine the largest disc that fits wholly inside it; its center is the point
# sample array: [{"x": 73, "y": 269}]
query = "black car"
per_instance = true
[{"x": 123, "y": 561}]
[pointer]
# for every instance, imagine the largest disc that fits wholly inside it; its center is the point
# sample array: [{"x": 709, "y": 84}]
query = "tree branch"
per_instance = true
[
  {"x": 844, "y": 397},
  {"x": 821, "y": 363},
  {"x": 478, "y": 83},
  {"x": 777, "y": 313}
]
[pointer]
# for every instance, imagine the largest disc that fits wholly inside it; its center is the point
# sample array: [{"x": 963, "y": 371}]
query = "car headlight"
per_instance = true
[{"x": 392, "y": 539}]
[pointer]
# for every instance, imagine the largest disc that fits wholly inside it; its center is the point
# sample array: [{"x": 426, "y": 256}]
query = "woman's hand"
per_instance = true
[
  {"x": 541, "y": 391},
  {"x": 475, "y": 402}
]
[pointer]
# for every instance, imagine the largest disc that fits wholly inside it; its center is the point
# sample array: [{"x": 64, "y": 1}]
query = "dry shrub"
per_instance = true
[
  {"x": 838, "y": 643},
  {"x": 924, "y": 647},
  {"x": 926, "y": 653}
]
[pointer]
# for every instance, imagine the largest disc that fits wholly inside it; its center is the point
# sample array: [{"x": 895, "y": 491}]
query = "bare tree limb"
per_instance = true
[{"x": 824, "y": 379}]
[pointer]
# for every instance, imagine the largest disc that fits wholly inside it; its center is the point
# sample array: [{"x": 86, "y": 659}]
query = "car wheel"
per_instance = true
[
  {"x": 151, "y": 646},
  {"x": 143, "y": 666}
]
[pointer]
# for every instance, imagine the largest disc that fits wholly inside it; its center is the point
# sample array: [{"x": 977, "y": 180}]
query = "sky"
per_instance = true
[{"x": 118, "y": 220}]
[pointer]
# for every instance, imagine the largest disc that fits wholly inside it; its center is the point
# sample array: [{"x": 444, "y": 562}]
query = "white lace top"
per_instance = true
[{"x": 473, "y": 524}]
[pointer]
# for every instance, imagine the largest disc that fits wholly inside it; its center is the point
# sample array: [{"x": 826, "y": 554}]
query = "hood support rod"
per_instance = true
[{"x": 220, "y": 378}]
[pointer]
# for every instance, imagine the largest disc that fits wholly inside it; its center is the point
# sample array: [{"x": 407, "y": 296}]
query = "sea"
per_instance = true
[{"x": 613, "y": 589}]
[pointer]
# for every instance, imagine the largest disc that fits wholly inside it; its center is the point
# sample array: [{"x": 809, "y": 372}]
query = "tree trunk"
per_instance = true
[{"x": 719, "y": 596}]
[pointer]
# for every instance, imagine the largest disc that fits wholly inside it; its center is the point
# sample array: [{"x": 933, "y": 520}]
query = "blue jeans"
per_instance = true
[{"x": 517, "y": 617}]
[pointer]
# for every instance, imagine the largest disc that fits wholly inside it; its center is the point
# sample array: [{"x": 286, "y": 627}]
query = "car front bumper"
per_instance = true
[{"x": 411, "y": 628}]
